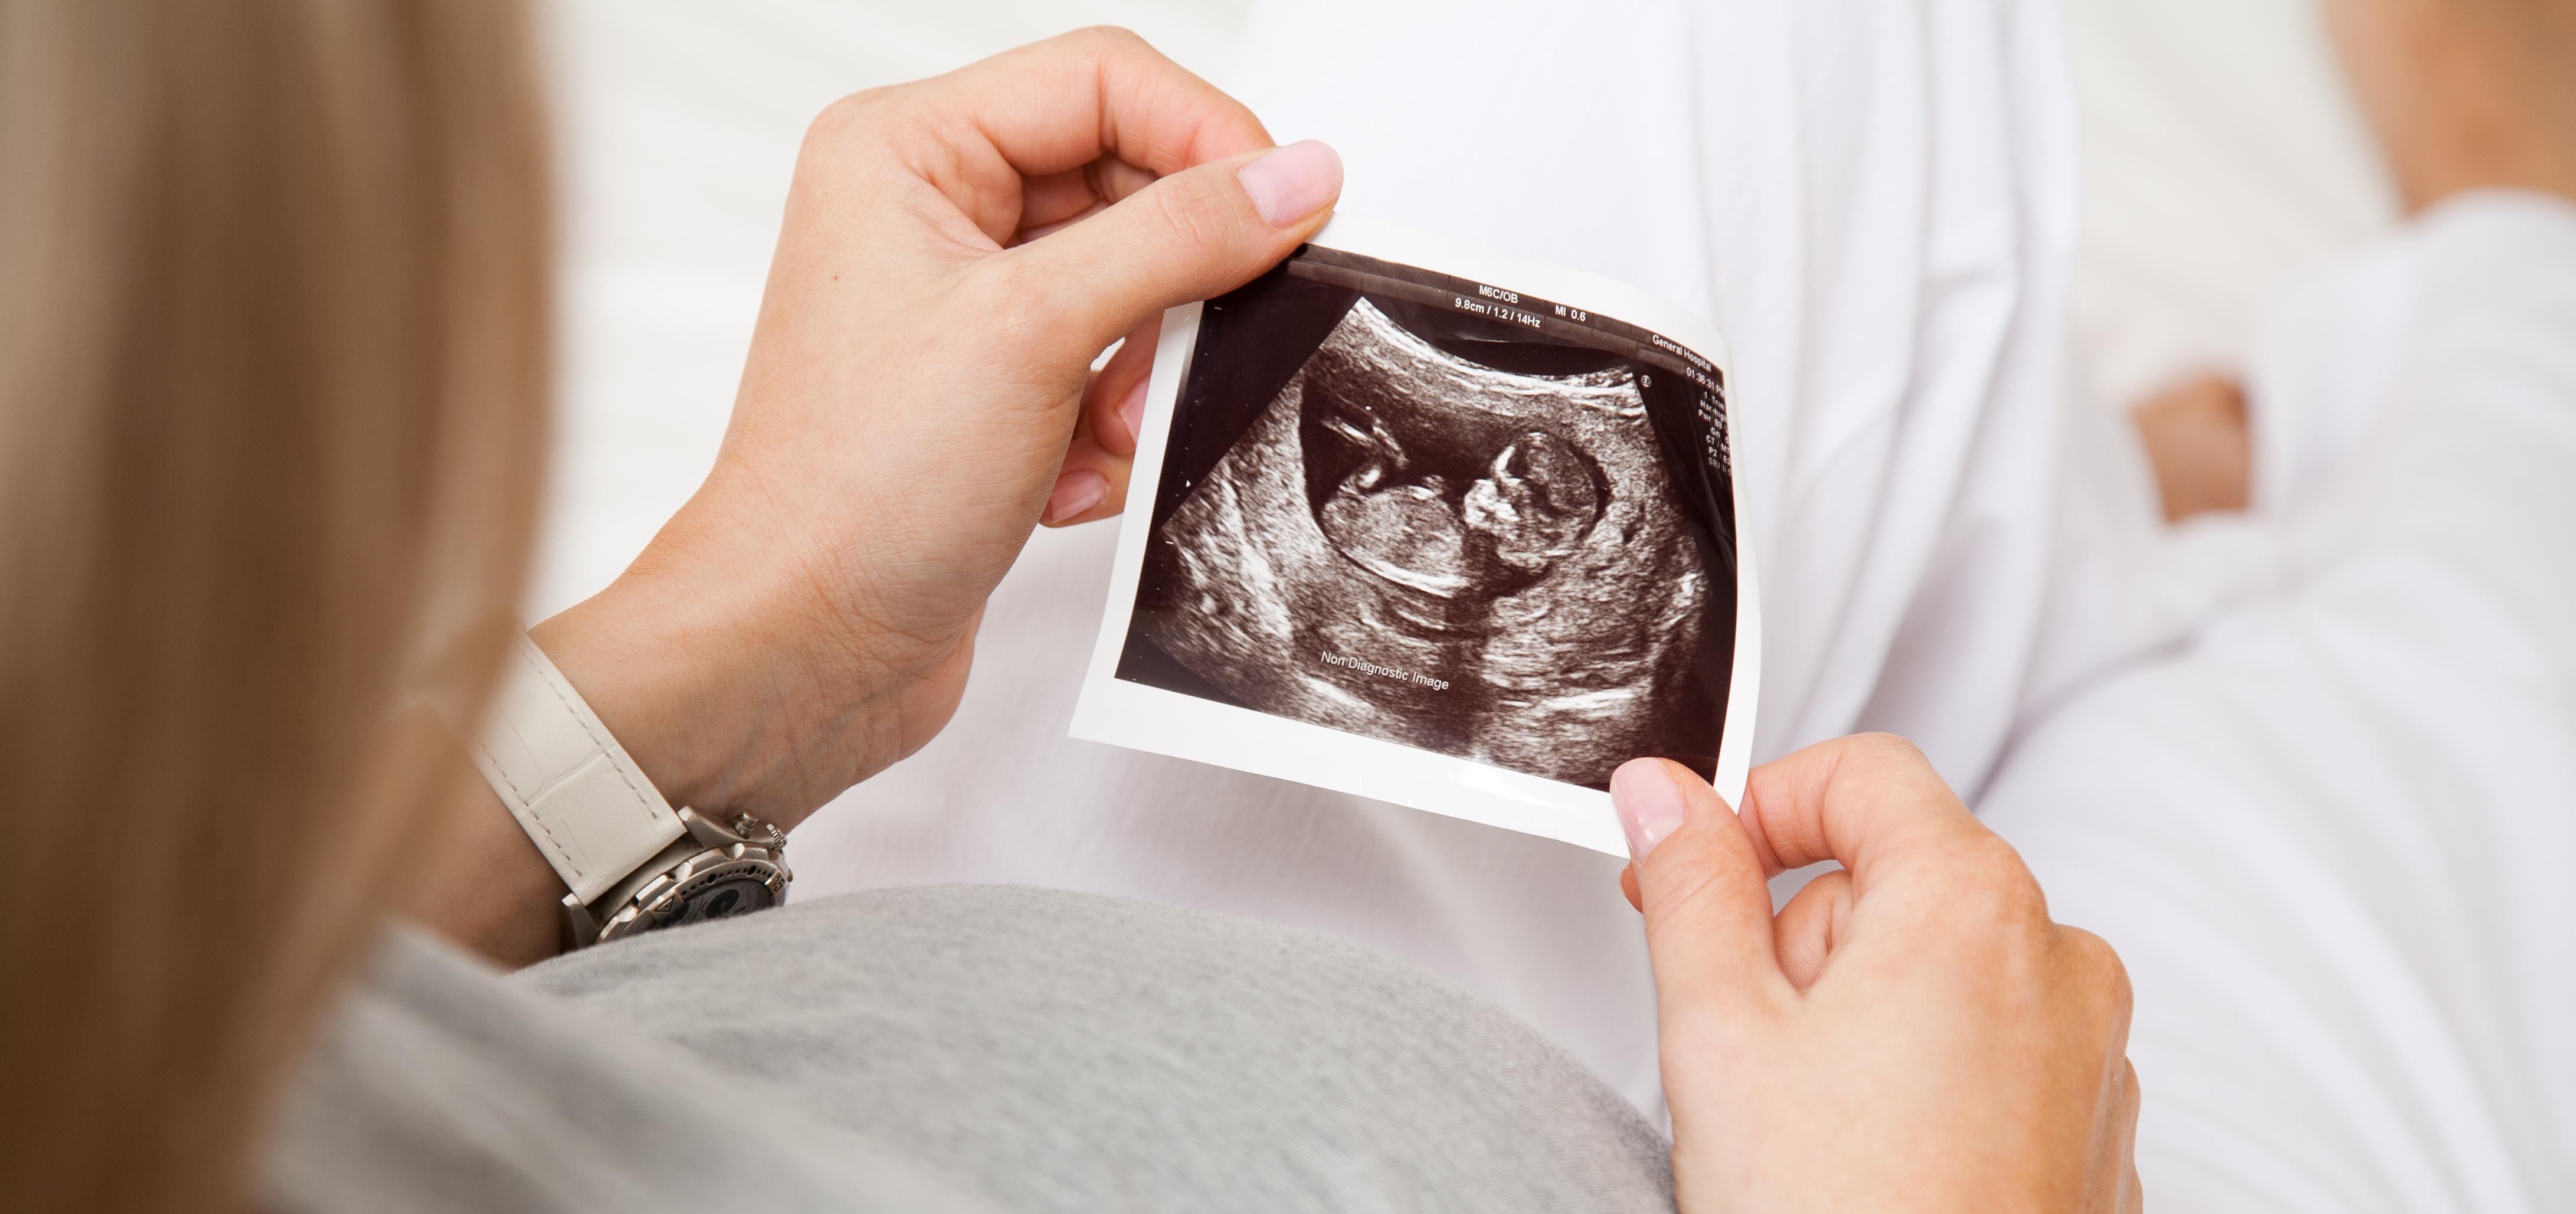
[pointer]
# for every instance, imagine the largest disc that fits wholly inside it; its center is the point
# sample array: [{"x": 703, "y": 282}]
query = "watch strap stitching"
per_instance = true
[
  {"x": 628, "y": 818},
  {"x": 647, "y": 799},
  {"x": 490, "y": 765}
]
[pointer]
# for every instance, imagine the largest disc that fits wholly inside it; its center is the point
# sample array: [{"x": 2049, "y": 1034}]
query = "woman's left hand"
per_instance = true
[
  {"x": 956, "y": 255},
  {"x": 1912, "y": 1031}
]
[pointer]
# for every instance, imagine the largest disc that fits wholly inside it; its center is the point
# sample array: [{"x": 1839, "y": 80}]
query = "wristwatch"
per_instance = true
[{"x": 631, "y": 863}]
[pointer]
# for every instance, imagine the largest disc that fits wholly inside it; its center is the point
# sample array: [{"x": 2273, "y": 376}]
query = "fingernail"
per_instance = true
[
  {"x": 1650, "y": 805},
  {"x": 1291, "y": 183},
  {"x": 1131, "y": 411},
  {"x": 1075, "y": 492}
]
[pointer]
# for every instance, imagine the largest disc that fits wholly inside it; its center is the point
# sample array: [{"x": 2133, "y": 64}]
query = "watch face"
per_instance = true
[
  {"x": 723, "y": 899},
  {"x": 713, "y": 886}
]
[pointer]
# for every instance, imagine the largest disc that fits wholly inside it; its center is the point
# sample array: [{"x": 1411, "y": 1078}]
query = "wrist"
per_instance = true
[
  {"x": 486, "y": 887},
  {"x": 721, "y": 713},
  {"x": 559, "y": 804}
]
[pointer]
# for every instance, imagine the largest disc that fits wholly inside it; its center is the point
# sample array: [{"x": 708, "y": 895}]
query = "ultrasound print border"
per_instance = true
[{"x": 1148, "y": 718}]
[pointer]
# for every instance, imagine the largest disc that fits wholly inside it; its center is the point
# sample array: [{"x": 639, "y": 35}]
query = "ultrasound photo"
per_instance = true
[{"x": 1434, "y": 512}]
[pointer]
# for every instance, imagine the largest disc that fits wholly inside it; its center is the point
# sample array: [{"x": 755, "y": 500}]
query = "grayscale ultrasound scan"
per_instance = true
[{"x": 1425, "y": 510}]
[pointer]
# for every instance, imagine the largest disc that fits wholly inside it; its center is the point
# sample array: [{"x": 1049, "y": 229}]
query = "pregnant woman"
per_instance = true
[{"x": 275, "y": 366}]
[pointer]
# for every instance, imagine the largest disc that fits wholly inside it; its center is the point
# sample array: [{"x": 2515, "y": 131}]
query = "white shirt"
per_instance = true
[{"x": 2330, "y": 836}]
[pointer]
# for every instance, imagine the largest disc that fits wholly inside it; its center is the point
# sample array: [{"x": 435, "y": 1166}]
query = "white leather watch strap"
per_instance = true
[{"x": 566, "y": 780}]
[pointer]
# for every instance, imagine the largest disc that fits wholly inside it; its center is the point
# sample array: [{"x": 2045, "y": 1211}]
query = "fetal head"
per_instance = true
[{"x": 1536, "y": 503}]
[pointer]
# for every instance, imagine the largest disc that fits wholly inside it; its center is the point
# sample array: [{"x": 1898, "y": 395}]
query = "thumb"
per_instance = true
[
  {"x": 1702, "y": 887},
  {"x": 1189, "y": 236}
]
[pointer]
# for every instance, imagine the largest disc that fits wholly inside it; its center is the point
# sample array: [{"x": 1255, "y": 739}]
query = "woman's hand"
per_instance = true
[
  {"x": 1912, "y": 1033},
  {"x": 956, "y": 254}
]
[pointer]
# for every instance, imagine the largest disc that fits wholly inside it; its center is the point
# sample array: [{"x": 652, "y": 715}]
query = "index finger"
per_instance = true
[
  {"x": 1054, "y": 106},
  {"x": 1870, "y": 802},
  {"x": 1064, "y": 102}
]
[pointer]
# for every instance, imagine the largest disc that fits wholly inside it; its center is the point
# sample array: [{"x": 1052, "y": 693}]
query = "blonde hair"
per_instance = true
[{"x": 273, "y": 361}]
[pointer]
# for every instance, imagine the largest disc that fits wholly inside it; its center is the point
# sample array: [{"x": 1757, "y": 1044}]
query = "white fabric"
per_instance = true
[
  {"x": 2224, "y": 158},
  {"x": 2331, "y": 836},
  {"x": 1875, "y": 201}
]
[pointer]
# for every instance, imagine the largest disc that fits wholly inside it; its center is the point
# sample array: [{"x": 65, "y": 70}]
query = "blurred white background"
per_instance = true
[{"x": 2222, "y": 159}]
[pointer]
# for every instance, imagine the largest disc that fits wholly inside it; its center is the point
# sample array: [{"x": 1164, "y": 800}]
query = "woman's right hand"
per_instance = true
[{"x": 1910, "y": 1033}]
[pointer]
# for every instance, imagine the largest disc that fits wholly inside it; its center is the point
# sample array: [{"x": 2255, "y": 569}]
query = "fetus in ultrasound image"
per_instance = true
[{"x": 1437, "y": 533}]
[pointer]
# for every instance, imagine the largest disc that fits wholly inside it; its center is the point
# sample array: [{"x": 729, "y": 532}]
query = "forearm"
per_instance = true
[
  {"x": 2465, "y": 94},
  {"x": 687, "y": 707}
]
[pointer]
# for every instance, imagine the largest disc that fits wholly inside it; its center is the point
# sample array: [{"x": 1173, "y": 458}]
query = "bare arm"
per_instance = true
[{"x": 2465, "y": 94}]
